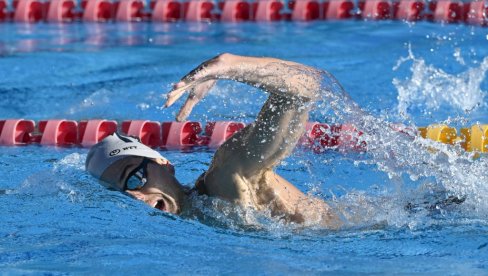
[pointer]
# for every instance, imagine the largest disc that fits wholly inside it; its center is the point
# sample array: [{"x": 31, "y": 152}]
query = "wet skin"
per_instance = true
[
  {"x": 242, "y": 168},
  {"x": 153, "y": 193}
]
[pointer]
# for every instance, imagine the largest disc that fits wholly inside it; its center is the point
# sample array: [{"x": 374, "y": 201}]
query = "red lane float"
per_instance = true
[
  {"x": 16, "y": 132},
  {"x": 377, "y": 9},
  {"x": 57, "y": 133},
  {"x": 448, "y": 11},
  {"x": 167, "y": 11},
  {"x": 180, "y": 135},
  {"x": 236, "y": 11},
  {"x": 268, "y": 10},
  {"x": 148, "y": 131},
  {"x": 168, "y": 135},
  {"x": 219, "y": 132},
  {"x": 409, "y": 10},
  {"x": 339, "y": 9},
  {"x": 428, "y": 12},
  {"x": 29, "y": 11},
  {"x": 317, "y": 137},
  {"x": 61, "y": 11},
  {"x": 348, "y": 138},
  {"x": 3, "y": 10},
  {"x": 93, "y": 131},
  {"x": 130, "y": 10},
  {"x": 306, "y": 10},
  {"x": 199, "y": 10},
  {"x": 321, "y": 137},
  {"x": 477, "y": 13},
  {"x": 98, "y": 11}
]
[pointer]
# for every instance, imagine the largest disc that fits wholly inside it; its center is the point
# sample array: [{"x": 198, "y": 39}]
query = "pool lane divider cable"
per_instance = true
[
  {"x": 61, "y": 11},
  {"x": 318, "y": 137}
]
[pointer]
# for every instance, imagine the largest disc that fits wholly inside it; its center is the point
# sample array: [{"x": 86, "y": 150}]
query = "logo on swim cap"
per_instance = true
[{"x": 114, "y": 152}]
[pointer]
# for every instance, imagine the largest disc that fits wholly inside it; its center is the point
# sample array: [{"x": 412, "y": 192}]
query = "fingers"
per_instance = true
[
  {"x": 201, "y": 79},
  {"x": 198, "y": 93},
  {"x": 186, "y": 109},
  {"x": 201, "y": 89},
  {"x": 179, "y": 90}
]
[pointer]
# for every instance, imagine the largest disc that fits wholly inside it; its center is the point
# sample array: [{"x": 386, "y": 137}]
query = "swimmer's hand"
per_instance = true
[
  {"x": 197, "y": 92},
  {"x": 198, "y": 82}
]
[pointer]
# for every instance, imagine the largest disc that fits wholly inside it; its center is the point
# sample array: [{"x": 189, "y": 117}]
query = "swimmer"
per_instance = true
[{"x": 241, "y": 171}]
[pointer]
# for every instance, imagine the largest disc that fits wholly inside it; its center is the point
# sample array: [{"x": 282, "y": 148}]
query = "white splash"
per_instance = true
[
  {"x": 60, "y": 181},
  {"x": 430, "y": 88},
  {"x": 399, "y": 154},
  {"x": 75, "y": 161}
]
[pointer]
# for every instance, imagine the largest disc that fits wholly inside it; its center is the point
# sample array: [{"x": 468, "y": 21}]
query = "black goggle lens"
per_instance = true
[{"x": 136, "y": 180}]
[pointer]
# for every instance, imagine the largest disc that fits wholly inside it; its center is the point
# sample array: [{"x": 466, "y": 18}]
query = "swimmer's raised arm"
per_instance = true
[
  {"x": 272, "y": 75},
  {"x": 280, "y": 123}
]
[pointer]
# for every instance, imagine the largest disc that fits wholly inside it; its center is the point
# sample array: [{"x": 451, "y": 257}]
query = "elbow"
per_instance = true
[{"x": 307, "y": 85}]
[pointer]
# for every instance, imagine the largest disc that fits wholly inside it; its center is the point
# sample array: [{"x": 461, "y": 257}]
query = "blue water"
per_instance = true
[{"x": 55, "y": 218}]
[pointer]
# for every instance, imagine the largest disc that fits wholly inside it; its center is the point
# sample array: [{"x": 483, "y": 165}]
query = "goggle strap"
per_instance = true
[
  {"x": 144, "y": 171},
  {"x": 140, "y": 172}
]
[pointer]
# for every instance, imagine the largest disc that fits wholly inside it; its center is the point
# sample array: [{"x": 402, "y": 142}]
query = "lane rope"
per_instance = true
[
  {"x": 63, "y": 11},
  {"x": 318, "y": 137}
]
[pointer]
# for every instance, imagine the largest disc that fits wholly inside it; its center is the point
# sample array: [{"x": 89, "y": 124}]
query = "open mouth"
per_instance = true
[{"x": 160, "y": 205}]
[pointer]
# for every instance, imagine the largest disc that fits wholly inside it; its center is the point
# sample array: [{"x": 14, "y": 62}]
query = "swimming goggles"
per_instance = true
[{"x": 138, "y": 178}]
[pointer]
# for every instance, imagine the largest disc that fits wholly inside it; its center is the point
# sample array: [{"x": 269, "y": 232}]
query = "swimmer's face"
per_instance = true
[{"x": 162, "y": 190}]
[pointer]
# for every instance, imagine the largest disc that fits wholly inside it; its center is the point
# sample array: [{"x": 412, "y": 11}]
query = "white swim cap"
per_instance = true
[{"x": 109, "y": 159}]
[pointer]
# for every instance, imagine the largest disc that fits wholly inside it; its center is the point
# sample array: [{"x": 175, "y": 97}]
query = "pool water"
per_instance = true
[{"x": 55, "y": 218}]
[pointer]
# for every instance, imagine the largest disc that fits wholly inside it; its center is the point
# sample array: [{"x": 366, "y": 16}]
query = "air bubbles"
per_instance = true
[{"x": 143, "y": 106}]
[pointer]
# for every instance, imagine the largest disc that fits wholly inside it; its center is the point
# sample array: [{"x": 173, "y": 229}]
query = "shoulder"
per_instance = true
[{"x": 200, "y": 185}]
